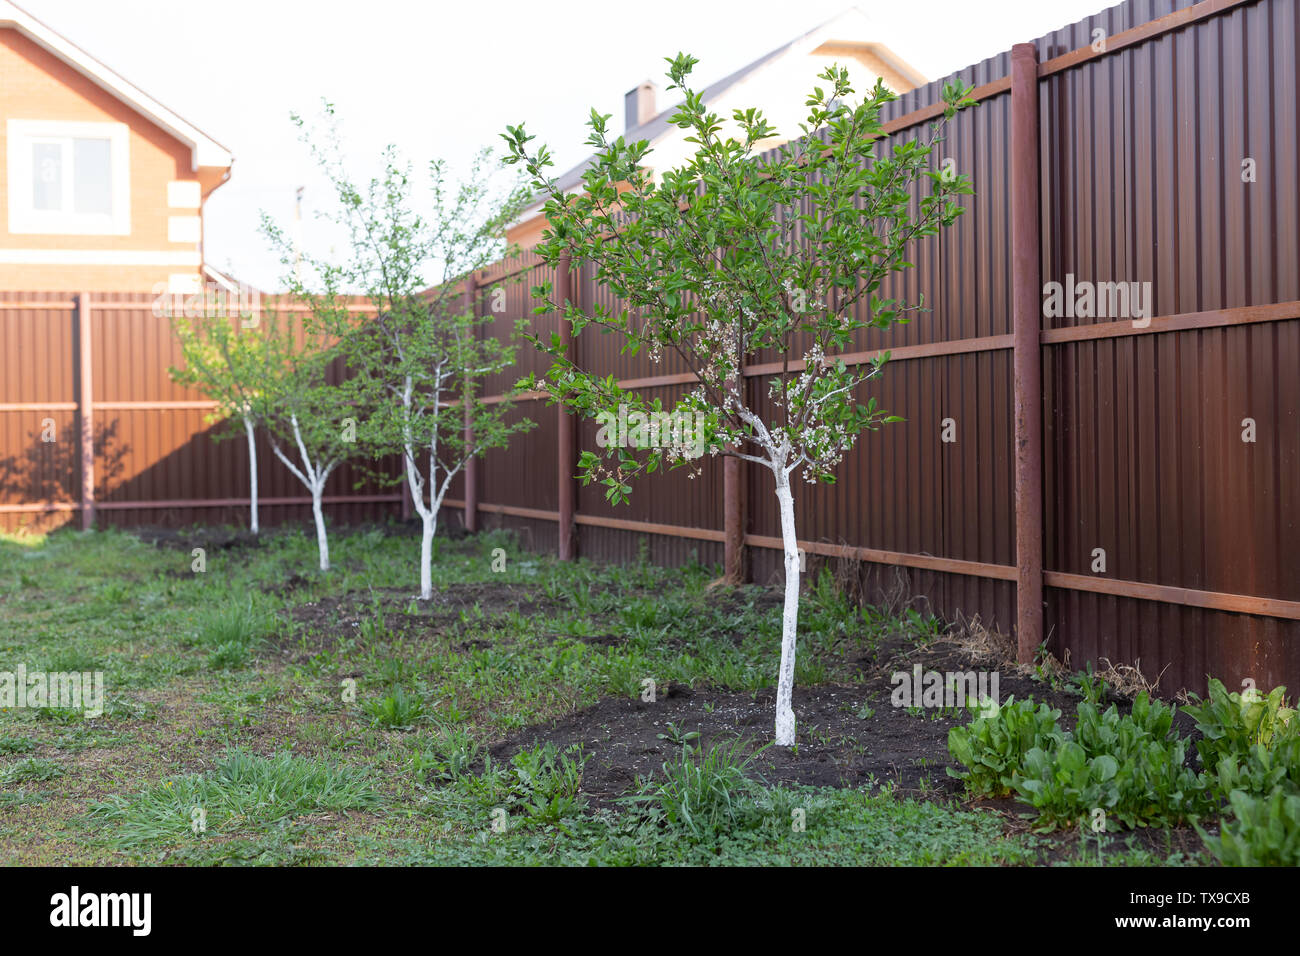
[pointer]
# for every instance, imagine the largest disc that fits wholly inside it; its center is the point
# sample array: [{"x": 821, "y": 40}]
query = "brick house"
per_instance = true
[{"x": 101, "y": 186}]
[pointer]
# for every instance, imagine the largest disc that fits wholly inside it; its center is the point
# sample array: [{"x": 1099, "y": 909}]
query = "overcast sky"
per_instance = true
[{"x": 442, "y": 79}]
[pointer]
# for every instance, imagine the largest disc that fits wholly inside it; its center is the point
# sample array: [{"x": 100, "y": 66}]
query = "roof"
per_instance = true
[
  {"x": 850, "y": 25},
  {"x": 205, "y": 151}
]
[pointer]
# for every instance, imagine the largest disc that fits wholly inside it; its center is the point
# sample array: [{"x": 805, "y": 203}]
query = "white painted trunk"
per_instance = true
[
  {"x": 322, "y": 542},
  {"x": 252, "y": 477},
  {"x": 785, "y": 723},
  {"x": 426, "y": 555}
]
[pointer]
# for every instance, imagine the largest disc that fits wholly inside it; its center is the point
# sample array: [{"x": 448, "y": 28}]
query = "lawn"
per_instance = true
[{"x": 534, "y": 712}]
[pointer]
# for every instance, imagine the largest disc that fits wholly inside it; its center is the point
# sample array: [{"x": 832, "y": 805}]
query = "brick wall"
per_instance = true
[{"x": 35, "y": 85}]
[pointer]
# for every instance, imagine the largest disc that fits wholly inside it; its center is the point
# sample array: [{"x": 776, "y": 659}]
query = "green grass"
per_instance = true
[
  {"x": 31, "y": 769},
  {"x": 701, "y": 794},
  {"x": 243, "y": 790},
  {"x": 836, "y": 827},
  {"x": 342, "y": 722}
]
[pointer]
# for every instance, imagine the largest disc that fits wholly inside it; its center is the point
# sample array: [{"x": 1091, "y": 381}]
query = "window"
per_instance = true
[{"x": 70, "y": 178}]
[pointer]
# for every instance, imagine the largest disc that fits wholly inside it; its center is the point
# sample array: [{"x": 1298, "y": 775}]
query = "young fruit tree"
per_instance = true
[
  {"x": 738, "y": 252},
  {"x": 303, "y": 408},
  {"x": 416, "y": 366},
  {"x": 226, "y": 359}
]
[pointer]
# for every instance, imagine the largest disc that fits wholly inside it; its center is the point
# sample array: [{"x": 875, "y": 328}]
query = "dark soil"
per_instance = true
[
  {"x": 222, "y": 539},
  {"x": 326, "y": 619},
  {"x": 211, "y": 539},
  {"x": 850, "y": 735}
]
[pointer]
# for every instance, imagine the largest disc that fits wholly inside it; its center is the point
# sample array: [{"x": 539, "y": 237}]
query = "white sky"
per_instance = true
[{"x": 443, "y": 78}]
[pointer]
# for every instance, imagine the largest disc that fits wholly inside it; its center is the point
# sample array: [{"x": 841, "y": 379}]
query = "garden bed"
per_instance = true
[{"x": 213, "y": 678}]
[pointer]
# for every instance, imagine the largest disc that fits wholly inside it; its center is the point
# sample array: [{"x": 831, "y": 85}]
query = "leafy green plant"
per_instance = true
[
  {"x": 1233, "y": 723},
  {"x": 33, "y": 768},
  {"x": 1090, "y": 687},
  {"x": 455, "y": 753},
  {"x": 678, "y": 735},
  {"x": 1260, "y": 770},
  {"x": 1131, "y": 766},
  {"x": 923, "y": 628},
  {"x": 1263, "y": 831},
  {"x": 397, "y": 711},
  {"x": 548, "y": 782},
  {"x": 229, "y": 656},
  {"x": 993, "y": 748}
]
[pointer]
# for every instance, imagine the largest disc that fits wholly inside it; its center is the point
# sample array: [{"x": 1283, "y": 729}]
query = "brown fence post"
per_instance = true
[
  {"x": 567, "y": 425},
  {"x": 471, "y": 464},
  {"x": 86, "y": 412},
  {"x": 733, "y": 524},
  {"x": 1026, "y": 317},
  {"x": 733, "y": 515}
]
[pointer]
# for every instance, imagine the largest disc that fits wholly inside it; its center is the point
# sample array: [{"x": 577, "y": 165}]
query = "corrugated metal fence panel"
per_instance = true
[
  {"x": 1145, "y": 457},
  {"x": 1141, "y": 161},
  {"x": 37, "y": 367},
  {"x": 153, "y": 455}
]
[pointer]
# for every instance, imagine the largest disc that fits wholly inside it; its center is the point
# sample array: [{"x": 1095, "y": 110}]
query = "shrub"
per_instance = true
[
  {"x": 1265, "y": 831},
  {"x": 994, "y": 747}
]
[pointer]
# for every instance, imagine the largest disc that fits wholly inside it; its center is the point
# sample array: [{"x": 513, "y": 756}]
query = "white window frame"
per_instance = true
[{"x": 25, "y": 220}]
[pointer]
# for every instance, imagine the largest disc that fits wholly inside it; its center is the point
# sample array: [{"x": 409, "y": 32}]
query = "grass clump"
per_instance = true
[
  {"x": 701, "y": 794},
  {"x": 396, "y": 711},
  {"x": 232, "y": 631},
  {"x": 243, "y": 790}
]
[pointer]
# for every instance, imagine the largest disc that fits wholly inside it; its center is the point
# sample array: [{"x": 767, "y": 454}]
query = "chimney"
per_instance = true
[{"x": 639, "y": 105}]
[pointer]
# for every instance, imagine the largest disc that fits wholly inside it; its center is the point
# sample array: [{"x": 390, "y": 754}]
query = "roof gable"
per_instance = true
[
  {"x": 852, "y": 28},
  {"x": 204, "y": 150}
]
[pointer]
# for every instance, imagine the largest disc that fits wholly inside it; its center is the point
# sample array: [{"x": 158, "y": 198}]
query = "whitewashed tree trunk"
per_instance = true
[
  {"x": 426, "y": 554},
  {"x": 322, "y": 542},
  {"x": 252, "y": 476},
  {"x": 785, "y": 723},
  {"x": 314, "y": 477}
]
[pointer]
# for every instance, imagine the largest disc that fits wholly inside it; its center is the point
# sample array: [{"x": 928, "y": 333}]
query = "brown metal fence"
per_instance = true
[
  {"x": 91, "y": 425},
  {"x": 1112, "y": 150}
]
